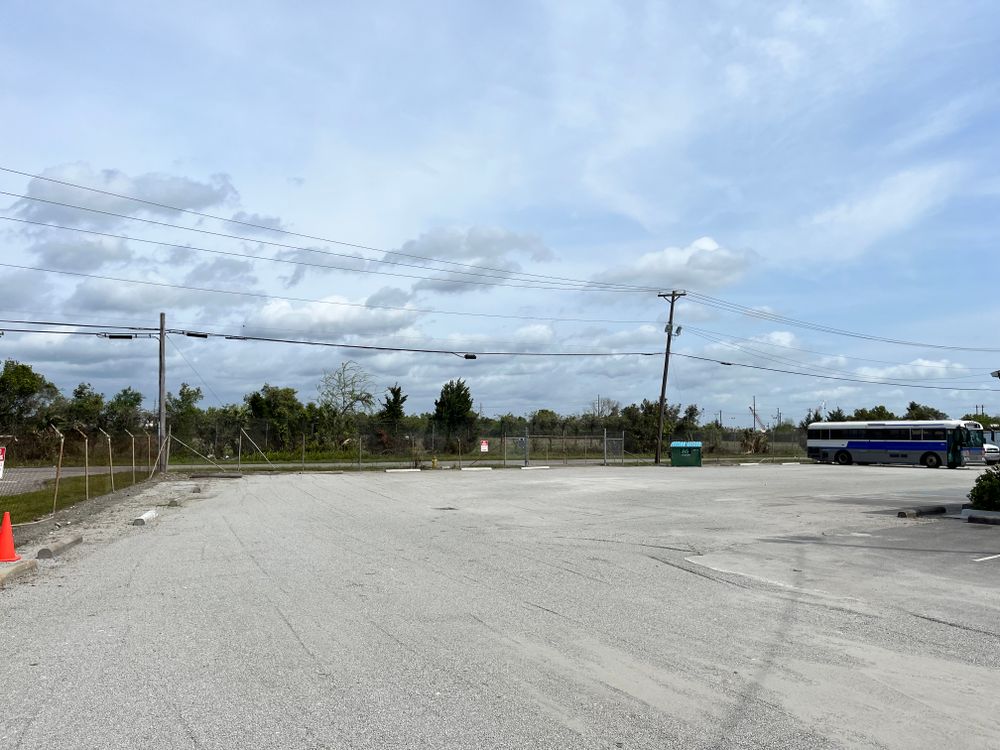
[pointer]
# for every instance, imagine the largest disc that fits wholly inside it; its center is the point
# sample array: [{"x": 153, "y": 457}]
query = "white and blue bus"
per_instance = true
[{"x": 930, "y": 443}]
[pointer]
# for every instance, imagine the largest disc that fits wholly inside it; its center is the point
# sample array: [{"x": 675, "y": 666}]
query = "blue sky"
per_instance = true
[{"x": 833, "y": 163}]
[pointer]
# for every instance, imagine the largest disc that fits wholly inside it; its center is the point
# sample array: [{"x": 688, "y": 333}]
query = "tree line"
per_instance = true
[{"x": 347, "y": 406}]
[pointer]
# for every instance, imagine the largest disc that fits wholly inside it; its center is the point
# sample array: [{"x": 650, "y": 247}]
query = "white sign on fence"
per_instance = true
[
  {"x": 3, "y": 457},
  {"x": 484, "y": 446}
]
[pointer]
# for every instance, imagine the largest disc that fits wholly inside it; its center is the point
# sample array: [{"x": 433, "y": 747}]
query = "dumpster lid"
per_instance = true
[{"x": 683, "y": 444}]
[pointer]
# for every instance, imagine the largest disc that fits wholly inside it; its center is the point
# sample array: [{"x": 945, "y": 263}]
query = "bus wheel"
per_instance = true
[
  {"x": 931, "y": 460},
  {"x": 843, "y": 458}
]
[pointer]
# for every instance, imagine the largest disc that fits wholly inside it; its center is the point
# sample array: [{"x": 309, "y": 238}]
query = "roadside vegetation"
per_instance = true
[
  {"x": 985, "y": 493},
  {"x": 352, "y": 419},
  {"x": 30, "y": 506}
]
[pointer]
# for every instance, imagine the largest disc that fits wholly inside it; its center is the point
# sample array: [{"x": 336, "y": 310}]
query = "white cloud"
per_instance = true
[
  {"x": 241, "y": 219},
  {"x": 918, "y": 369},
  {"x": 326, "y": 320},
  {"x": 168, "y": 190},
  {"x": 81, "y": 255},
  {"x": 704, "y": 265},
  {"x": 900, "y": 202},
  {"x": 25, "y": 290},
  {"x": 143, "y": 300},
  {"x": 491, "y": 249},
  {"x": 942, "y": 122},
  {"x": 224, "y": 273}
]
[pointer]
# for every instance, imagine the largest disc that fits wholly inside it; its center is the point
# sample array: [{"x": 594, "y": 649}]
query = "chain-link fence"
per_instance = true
[
  {"x": 724, "y": 443},
  {"x": 46, "y": 470},
  {"x": 43, "y": 471},
  {"x": 366, "y": 442},
  {"x": 371, "y": 443}
]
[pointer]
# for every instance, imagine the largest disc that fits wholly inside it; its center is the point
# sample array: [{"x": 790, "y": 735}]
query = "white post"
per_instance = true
[{"x": 111, "y": 461}]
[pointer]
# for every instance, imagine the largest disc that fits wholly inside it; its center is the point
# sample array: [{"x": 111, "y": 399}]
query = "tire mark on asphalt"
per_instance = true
[
  {"x": 700, "y": 573},
  {"x": 689, "y": 549},
  {"x": 32, "y": 719},
  {"x": 967, "y": 628},
  {"x": 553, "y": 612},
  {"x": 734, "y": 726},
  {"x": 245, "y": 548}
]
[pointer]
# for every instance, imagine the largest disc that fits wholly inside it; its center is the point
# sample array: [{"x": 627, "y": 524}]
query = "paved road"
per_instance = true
[
  {"x": 742, "y": 607},
  {"x": 16, "y": 481}
]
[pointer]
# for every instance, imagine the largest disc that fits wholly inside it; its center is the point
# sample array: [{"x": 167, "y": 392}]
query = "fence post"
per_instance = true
[
  {"x": 86, "y": 462},
  {"x": 527, "y": 445},
  {"x": 503, "y": 440},
  {"x": 359, "y": 447},
  {"x": 55, "y": 496},
  {"x": 111, "y": 461},
  {"x": 149, "y": 453},
  {"x": 606, "y": 446},
  {"x": 303, "y": 449},
  {"x": 133, "y": 454},
  {"x": 239, "y": 452}
]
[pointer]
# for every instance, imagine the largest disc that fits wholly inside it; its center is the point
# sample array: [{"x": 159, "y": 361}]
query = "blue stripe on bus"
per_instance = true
[{"x": 898, "y": 445}]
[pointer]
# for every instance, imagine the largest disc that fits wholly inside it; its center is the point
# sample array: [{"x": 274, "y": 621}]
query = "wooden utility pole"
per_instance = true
[
  {"x": 673, "y": 297},
  {"x": 162, "y": 429}
]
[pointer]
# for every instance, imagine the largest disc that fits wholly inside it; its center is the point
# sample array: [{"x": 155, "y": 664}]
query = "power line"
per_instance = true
[
  {"x": 195, "y": 370},
  {"x": 721, "y": 304},
  {"x": 539, "y": 354},
  {"x": 261, "y": 295},
  {"x": 278, "y": 230},
  {"x": 288, "y": 261},
  {"x": 834, "y": 377},
  {"x": 565, "y": 283},
  {"x": 587, "y": 285},
  {"x": 695, "y": 329},
  {"x": 365, "y": 347},
  {"x": 77, "y": 325},
  {"x": 569, "y": 284},
  {"x": 798, "y": 363}
]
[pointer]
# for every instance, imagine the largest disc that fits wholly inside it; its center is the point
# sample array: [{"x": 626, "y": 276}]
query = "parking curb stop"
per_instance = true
[
  {"x": 17, "y": 570},
  {"x": 57, "y": 548}
]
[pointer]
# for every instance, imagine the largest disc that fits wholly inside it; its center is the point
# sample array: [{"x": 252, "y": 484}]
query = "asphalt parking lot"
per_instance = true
[{"x": 722, "y": 607}]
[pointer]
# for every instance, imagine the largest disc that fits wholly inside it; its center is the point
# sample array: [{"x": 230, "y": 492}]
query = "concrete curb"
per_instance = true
[
  {"x": 529, "y": 468},
  {"x": 991, "y": 517},
  {"x": 17, "y": 570},
  {"x": 145, "y": 518},
  {"x": 477, "y": 468},
  {"x": 401, "y": 471},
  {"x": 57, "y": 548},
  {"x": 932, "y": 510}
]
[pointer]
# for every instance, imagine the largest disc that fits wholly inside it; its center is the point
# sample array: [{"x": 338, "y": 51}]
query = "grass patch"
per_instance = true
[{"x": 31, "y": 505}]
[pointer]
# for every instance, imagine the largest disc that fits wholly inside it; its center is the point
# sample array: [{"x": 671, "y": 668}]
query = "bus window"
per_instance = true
[{"x": 971, "y": 438}]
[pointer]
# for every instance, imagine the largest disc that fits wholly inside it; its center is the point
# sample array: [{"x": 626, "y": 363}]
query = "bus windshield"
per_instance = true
[{"x": 972, "y": 438}]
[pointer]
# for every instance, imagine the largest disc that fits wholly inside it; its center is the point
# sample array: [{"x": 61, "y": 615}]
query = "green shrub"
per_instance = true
[{"x": 985, "y": 494}]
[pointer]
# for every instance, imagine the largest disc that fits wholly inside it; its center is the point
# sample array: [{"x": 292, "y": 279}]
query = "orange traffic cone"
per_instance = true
[{"x": 7, "y": 553}]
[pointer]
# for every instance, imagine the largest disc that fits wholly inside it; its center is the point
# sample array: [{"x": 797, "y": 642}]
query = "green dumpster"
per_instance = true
[{"x": 685, "y": 453}]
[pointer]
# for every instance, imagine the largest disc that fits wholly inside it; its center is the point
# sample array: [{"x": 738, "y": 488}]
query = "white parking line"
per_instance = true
[{"x": 984, "y": 559}]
